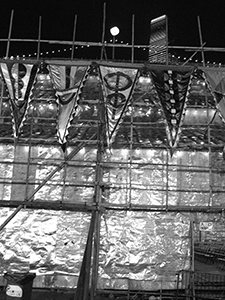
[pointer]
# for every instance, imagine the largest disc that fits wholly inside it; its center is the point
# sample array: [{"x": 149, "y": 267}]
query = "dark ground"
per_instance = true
[{"x": 45, "y": 294}]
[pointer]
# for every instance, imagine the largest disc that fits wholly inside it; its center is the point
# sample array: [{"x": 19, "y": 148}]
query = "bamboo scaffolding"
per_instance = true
[
  {"x": 74, "y": 36},
  {"x": 103, "y": 32},
  {"x": 100, "y": 44},
  {"x": 30, "y": 198},
  {"x": 97, "y": 200},
  {"x": 9, "y": 34},
  {"x": 208, "y": 125},
  {"x": 114, "y": 165},
  {"x": 201, "y": 41},
  {"x": 132, "y": 52},
  {"x": 87, "y": 207},
  {"x": 39, "y": 39}
]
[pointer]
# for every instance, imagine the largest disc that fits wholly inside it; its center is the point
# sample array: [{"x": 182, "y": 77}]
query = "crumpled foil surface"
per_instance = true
[
  {"x": 138, "y": 177},
  {"x": 143, "y": 250},
  {"x": 24, "y": 168},
  {"x": 152, "y": 177},
  {"x": 49, "y": 243},
  {"x": 6, "y": 170},
  {"x": 138, "y": 250}
]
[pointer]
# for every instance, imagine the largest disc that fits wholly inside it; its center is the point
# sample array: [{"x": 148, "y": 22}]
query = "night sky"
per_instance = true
[{"x": 58, "y": 19}]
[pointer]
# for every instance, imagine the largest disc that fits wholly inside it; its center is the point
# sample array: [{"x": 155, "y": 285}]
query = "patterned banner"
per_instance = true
[
  {"x": 67, "y": 81},
  {"x": 117, "y": 87},
  {"x": 216, "y": 81},
  {"x": 172, "y": 87},
  {"x": 19, "y": 79},
  {"x": 158, "y": 47}
]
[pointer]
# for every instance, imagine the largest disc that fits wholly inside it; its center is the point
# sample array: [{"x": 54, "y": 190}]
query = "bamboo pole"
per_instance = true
[
  {"x": 84, "y": 206},
  {"x": 82, "y": 290},
  {"x": 2, "y": 94},
  {"x": 208, "y": 125},
  {"x": 201, "y": 41},
  {"x": 167, "y": 54},
  {"x": 193, "y": 55},
  {"x": 99, "y": 44},
  {"x": 103, "y": 31},
  {"x": 167, "y": 178},
  {"x": 39, "y": 38},
  {"x": 97, "y": 198},
  {"x": 131, "y": 149},
  {"x": 132, "y": 52},
  {"x": 29, "y": 155},
  {"x": 192, "y": 273},
  {"x": 74, "y": 36},
  {"x": 9, "y": 34}
]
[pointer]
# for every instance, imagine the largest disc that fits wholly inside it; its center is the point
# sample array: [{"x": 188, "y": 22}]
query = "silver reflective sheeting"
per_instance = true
[
  {"x": 143, "y": 249},
  {"x": 138, "y": 250},
  {"x": 45, "y": 242},
  {"x": 153, "y": 177},
  {"x": 6, "y": 170}
]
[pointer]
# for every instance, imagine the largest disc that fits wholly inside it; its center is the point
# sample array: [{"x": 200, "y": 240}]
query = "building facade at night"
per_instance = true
[{"x": 112, "y": 174}]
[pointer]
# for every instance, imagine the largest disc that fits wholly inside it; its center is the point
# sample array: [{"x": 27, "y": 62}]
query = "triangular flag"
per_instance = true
[
  {"x": 172, "y": 88},
  {"x": 67, "y": 81},
  {"x": 117, "y": 84},
  {"x": 216, "y": 82},
  {"x": 19, "y": 78}
]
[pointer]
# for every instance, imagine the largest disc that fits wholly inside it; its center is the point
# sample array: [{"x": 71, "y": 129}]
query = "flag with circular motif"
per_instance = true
[{"x": 118, "y": 85}]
